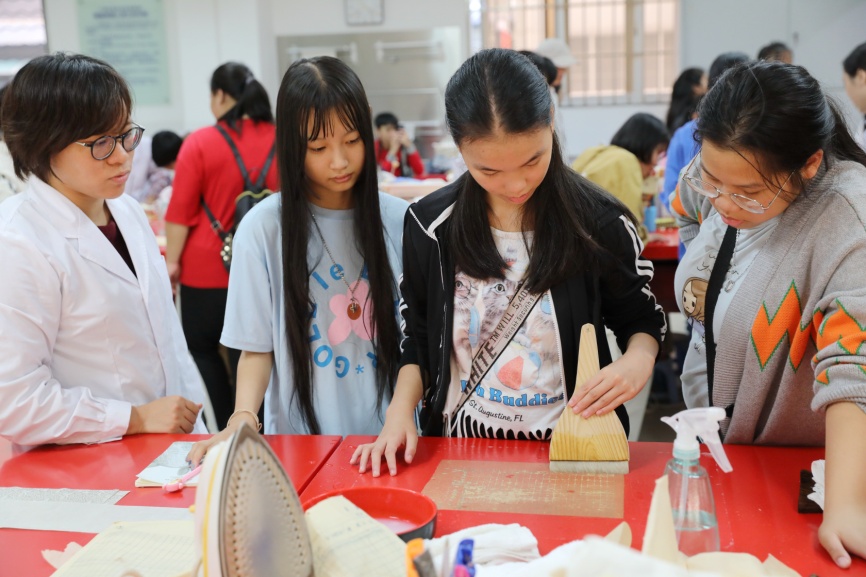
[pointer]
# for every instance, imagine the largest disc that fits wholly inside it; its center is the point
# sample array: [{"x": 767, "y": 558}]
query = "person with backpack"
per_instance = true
[
  {"x": 215, "y": 166},
  {"x": 313, "y": 293}
]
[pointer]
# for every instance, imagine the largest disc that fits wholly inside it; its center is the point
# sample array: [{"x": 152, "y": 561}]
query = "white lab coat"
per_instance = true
[{"x": 82, "y": 338}]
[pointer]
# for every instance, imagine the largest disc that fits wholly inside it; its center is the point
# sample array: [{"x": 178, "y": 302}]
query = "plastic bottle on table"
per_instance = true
[
  {"x": 692, "y": 502},
  {"x": 649, "y": 219}
]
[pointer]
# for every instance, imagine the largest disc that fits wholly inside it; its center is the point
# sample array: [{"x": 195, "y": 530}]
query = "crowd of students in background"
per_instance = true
[{"x": 335, "y": 308}]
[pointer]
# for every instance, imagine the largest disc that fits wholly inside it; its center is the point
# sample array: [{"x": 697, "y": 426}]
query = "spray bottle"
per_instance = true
[{"x": 692, "y": 502}]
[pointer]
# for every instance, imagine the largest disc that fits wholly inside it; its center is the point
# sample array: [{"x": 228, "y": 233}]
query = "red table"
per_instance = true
[
  {"x": 756, "y": 504},
  {"x": 664, "y": 245},
  {"x": 114, "y": 466},
  {"x": 662, "y": 251}
]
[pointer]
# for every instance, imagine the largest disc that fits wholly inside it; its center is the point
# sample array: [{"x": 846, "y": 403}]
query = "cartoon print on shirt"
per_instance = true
[
  {"x": 694, "y": 298},
  {"x": 523, "y": 371},
  {"x": 492, "y": 303}
]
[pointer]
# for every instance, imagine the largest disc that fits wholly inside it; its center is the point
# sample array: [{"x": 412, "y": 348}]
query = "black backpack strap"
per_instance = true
[
  {"x": 238, "y": 159},
  {"x": 260, "y": 183},
  {"x": 215, "y": 224}
]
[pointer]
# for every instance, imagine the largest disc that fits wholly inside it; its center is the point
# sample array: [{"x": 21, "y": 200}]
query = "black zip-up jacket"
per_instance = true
[{"x": 621, "y": 299}]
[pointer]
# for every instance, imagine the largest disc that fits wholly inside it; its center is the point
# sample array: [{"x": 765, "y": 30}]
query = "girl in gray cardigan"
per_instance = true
[{"x": 776, "y": 201}]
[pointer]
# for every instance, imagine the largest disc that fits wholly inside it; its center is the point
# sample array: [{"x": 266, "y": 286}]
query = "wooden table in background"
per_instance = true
[
  {"x": 756, "y": 503},
  {"x": 412, "y": 189},
  {"x": 114, "y": 466}
]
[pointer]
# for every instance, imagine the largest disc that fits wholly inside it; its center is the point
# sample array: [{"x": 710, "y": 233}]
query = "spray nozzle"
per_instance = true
[{"x": 704, "y": 423}]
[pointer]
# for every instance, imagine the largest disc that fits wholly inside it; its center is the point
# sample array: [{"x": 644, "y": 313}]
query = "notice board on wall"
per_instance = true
[{"x": 129, "y": 35}]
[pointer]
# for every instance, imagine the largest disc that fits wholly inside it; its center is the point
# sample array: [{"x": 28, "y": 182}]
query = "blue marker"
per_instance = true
[{"x": 464, "y": 558}]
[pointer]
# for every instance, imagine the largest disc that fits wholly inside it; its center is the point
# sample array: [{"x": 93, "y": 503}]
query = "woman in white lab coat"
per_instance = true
[{"x": 90, "y": 344}]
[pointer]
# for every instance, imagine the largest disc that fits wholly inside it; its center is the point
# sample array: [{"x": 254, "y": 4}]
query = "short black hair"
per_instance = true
[
  {"x": 386, "y": 119},
  {"x": 723, "y": 63},
  {"x": 164, "y": 147},
  {"x": 855, "y": 61},
  {"x": 779, "y": 113},
  {"x": 641, "y": 135},
  {"x": 773, "y": 50},
  {"x": 58, "y": 99},
  {"x": 544, "y": 64}
]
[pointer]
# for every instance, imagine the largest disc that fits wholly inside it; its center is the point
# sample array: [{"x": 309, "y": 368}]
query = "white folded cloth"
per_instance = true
[
  {"x": 494, "y": 544},
  {"x": 592, "y": 557},
  {"x": 817, "y": 494}
]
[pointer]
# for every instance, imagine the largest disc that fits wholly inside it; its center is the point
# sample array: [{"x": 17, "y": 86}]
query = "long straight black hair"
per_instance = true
[
  {"x": 499, "y": 91},
  {"x": 779, "y": 113},
  {"x": 251, "y": 98},
  {"x": 310, "y": 91}
]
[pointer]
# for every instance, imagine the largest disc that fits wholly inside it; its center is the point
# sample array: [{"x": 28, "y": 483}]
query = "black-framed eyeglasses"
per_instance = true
[
  {"x": 102, "y": 147},
  {"x": 705, "y": 188}
]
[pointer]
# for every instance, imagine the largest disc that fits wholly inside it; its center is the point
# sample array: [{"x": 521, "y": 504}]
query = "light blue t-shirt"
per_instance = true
[{"x": 344, "y": 360}]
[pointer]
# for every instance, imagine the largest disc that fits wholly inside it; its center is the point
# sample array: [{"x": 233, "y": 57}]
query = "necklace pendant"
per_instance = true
[{"x": 354, "y": 310}]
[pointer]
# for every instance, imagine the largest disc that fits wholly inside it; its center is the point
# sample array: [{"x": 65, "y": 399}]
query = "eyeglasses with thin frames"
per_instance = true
[
  {"x": 705, "y": 188},
  {"x": 103, "y": 147}
]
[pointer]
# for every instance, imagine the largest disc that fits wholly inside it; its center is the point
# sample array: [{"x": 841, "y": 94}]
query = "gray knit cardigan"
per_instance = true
[{"x": 792, "y": 341}]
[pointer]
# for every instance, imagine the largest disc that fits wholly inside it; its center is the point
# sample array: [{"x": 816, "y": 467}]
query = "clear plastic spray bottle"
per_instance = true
[{"x": 692, "y": 501}]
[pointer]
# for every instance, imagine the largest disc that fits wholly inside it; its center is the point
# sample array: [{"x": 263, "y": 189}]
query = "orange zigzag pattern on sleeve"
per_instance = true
[
  {"x": 842, "y": 328},
  {"x": 677, "y": 206},
  {"x": 839, "y": 327},
  {"x": 768, "y": 331}
]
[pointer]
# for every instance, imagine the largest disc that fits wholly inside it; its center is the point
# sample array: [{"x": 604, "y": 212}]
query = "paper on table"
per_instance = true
[
  {"x": 739, "y": 565},
  {"x": 57, "y": 558},
  {"x": 80, "y": 517},
  {"x": 169, "y": 466},
  {"x": 660, "y": 541},
  {"x": 817, "y": 494},
  {"x": 110, "y": 496},
  {"x": 348, "y": 542},
  {"x": 660, "y": 538},
  {"x": 621, "y": 535},
  {"x": 152, "y": 548}
]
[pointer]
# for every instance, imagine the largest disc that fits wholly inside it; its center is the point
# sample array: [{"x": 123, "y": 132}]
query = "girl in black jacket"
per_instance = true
[{"x": 518, "y": 230}]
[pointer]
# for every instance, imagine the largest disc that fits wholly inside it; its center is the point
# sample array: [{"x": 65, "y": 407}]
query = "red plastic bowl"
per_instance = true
[{"x": 409, "y": 514}]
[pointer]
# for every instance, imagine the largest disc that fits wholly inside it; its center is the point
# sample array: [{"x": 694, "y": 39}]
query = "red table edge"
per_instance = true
[{"x": 321, "y": 464}]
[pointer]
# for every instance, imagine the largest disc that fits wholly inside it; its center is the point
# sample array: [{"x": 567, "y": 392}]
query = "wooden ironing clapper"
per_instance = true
[{"x": 594, "y": 445}]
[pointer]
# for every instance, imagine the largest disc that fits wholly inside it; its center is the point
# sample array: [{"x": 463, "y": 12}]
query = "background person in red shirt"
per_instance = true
[
  {"x": 206, "y": 171},
  {"x": 395, "y": 151}
]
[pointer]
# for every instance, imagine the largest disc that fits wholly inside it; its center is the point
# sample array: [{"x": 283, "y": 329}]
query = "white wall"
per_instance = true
[
  {"x": 297, "y": 17},
  {"x": 201, "y": 34},
  {"x": 821, "y": 33}
]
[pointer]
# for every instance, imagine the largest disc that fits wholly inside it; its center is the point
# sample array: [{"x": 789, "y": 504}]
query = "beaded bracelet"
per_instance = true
[{"x": 255, "y": 416}]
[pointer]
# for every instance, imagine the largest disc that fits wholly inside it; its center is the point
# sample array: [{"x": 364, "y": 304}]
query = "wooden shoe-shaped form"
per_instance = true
[
  {"x": 594, "y": 445},
  {"x": 248, "y": 519}
]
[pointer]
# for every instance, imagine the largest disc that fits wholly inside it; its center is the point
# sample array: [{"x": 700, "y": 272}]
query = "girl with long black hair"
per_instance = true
[
  {"x": 313, "y": 297},
  {"x": 519, "y": 227}
]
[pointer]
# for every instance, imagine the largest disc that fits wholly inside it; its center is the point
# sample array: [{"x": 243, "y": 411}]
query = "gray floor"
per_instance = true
[
  {"x": 666, "y": 393},
  {"x": 653, "y": 428}
]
